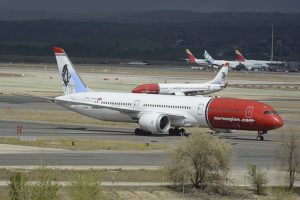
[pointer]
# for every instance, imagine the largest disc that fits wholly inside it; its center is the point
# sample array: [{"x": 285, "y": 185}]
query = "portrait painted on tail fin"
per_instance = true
[
  {"x": 66, "y": 75},
  {"x": 68, "y": 83}
]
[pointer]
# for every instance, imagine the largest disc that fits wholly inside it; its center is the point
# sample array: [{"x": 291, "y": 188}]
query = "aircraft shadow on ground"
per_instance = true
[
  {"x": 243, "y": 139},
  {"x": 94, "y": 130},
  {"x": 107, "y": 132}
]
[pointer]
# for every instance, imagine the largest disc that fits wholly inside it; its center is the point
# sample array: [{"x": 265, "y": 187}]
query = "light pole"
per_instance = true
[{"x": 272, "y": 48}]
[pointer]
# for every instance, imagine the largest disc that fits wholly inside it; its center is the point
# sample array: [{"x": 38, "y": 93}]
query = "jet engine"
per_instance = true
[{"x": 155, "y": 123}]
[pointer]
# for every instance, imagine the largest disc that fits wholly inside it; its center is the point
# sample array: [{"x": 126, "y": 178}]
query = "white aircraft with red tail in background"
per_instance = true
[
  {"x": 209, "y": 61},
  {"x": 191, "y": 89},
  {"x": 192, "y": 59},
  {"x": 254, "y": 64},
  {"x": 162, "y": 113}
]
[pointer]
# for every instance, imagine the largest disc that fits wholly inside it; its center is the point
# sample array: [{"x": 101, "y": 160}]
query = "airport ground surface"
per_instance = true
[
  {"x": 262, "y": 153},
  {"x": 40, "y": 118}
]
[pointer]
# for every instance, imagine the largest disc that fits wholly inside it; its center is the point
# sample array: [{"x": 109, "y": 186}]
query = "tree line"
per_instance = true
[{"x": 163, "y": 40}]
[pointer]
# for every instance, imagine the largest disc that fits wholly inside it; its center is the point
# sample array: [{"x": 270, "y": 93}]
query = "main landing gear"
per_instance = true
[
  {"x": 139, "y": 131},
  {"x": 259, "y": 135},
  {"x": 177, "y": 132},
  {"x": 172, "y": 132}
]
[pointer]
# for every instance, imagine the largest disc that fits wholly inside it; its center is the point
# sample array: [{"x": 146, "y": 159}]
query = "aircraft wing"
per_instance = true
[
  {"x": 194, "y": 93},
  {"x": 33, "y": 96},
  {"x": 67, "y": 103}
]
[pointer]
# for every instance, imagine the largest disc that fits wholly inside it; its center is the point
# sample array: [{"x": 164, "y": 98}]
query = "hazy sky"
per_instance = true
[{"x": 141, "y": 5}]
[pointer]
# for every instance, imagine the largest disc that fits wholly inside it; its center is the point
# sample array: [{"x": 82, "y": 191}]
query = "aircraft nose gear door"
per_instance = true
[
  {"x": 200, "y": 109},
  {"x": 136, "y": 104}
]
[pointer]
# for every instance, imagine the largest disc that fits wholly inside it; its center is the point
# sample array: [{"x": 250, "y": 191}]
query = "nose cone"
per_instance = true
[
  {"x": 278, "y": 121},
  {"x": 146, "y": 88},
  {"x": 272, "y": 122},
  {"x": 138, "y": 89}
]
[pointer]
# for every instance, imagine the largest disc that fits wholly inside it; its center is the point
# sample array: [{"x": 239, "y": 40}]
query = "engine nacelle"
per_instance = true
[{"x": 155, "y": 122}]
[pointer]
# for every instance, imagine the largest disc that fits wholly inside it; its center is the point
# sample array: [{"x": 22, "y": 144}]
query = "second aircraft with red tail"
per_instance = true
[{"x": 191, "y": 89}]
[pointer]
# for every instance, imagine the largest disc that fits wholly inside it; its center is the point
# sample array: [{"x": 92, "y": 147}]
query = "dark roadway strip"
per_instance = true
[{"x": 80, "y": 159}]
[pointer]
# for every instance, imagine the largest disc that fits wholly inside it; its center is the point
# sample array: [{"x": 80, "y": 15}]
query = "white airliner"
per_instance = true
[
  {"x": 211, "y": 61},
  {"x": 215, "y": 85},
  {"x": 254, "y": 64},
  {"x": 158, "y": 113},
  {"x": 192, "y": 59}
]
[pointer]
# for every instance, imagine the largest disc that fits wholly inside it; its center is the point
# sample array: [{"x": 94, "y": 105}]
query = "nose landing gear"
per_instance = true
[{"x": 259, "y": 135}]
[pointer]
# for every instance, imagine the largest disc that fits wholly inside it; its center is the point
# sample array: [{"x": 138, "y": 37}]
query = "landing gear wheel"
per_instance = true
[
  {"x": 171, "y": 132},
  {"x": 138, "y": 131},
  {"x": 183, "y": 132},
  {"x": 259, "y": 135},
  {"x": 260, "y": 138},
  {"x": 177, "y": 131}
]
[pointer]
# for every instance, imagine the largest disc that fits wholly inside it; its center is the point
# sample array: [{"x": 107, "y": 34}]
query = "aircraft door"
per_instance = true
[
  {"x": 249, "y": 112},
  {"x": 136, "y": 104},
  {"x": 200, "y": 109}
]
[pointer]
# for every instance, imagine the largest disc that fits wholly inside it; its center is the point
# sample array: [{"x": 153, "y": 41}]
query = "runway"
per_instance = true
[
  {"x": 244, "y": 153},
  {"x": 245, "y": 148},
  {"x": 8, "y": 128},
  {"x": 69, "y": 158}
]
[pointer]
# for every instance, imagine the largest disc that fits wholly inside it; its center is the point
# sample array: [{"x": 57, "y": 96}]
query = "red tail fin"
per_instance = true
[
  {"x": 191, "y": 57},
  {"x": 239, "y": 56}
]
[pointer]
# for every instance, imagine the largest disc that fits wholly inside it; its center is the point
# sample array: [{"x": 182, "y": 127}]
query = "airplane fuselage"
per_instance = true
[
  {"x": 178, "y": 89},
  {"x": 258, "y": 64},
  {"x": 184, "y": 111}
]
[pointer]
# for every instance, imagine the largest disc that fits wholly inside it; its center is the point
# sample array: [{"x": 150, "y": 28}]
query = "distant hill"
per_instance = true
[
  {"x": 190, "y": 16},
  {"x": 157, "y": 16},
  {"x": 153, "y": 35}
]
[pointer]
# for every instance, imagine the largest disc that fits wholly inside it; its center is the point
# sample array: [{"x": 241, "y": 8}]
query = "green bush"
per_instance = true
[
  {"x": 85, "y": 188},
  {"x": 282, "y": 193},
  {"x": 202, "y": 159},
  {"x": 45, "y": 189},
  {"x": 18, "y": 188},
  {"x": 257, "y": 178}
]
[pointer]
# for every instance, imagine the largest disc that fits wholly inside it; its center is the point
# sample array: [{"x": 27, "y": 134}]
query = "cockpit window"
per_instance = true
[{"x": 270, "y": 112}]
